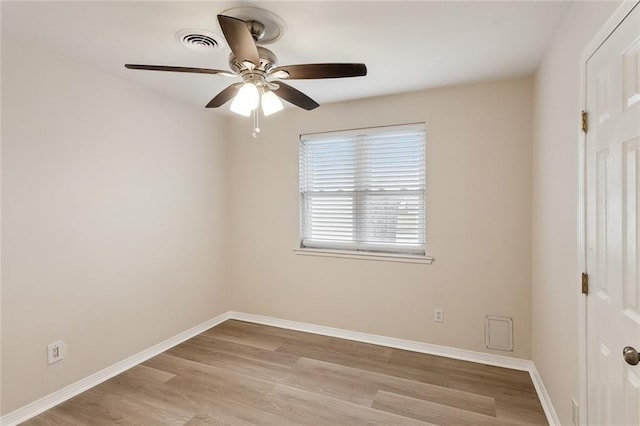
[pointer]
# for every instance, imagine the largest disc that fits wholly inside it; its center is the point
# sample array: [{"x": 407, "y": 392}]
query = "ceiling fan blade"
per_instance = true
[
  {"x": 178, "y": 69},
  {"x": 223, "y": 97},
  {"x": 239, "y": 39},
  {"x": 295, "y": 96},
  {"x": 308, "y": 71}
]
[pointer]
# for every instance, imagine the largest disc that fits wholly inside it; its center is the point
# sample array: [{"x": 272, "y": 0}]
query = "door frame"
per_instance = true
[{"x": 598, "y": 39}]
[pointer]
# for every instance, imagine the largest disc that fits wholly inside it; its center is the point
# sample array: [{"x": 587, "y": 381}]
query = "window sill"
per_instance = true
[{"x": 384, "y": 257}]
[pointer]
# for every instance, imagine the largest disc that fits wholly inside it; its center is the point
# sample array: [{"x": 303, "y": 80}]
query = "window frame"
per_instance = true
[{"x": 338, "y": 249}]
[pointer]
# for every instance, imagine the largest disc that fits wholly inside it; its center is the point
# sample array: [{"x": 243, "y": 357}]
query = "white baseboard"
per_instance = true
[
  {"x": 543, "y": 396},
  {"x": 55, "y": 398},
  {"x": 33, "y": 409},
  {"x": 427, "y": 348}
]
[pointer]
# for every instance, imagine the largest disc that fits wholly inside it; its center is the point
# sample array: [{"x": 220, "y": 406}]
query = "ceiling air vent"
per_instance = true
[{"x": 197, "y": 39}]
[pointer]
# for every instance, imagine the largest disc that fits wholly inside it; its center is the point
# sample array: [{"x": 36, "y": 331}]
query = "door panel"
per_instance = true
[
  {"x": 601, "y": 224},
  {"x": 632, "y": 396},
  {"x": 613, "y": 229},
  {"x": 630, "y": 173}
]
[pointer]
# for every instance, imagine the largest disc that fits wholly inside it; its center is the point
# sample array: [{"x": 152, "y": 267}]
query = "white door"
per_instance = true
[{"x": 613, "y": 226}]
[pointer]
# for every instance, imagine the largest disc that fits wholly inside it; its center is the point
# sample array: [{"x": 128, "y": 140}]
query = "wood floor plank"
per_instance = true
[
  {"x": 106, "y": 409},
  {"x": 102, "y": 408},
  {"x": 307, "y": 408},
  {"x": 144, "y": 372},
  {"x": 222, "y": 396},
  {"x": 332, "y": 348},
  {"x": 245, "y": 337},
  {"x": 491, "y": 388},
  {"x": 332, "y": 345},
  {"x": 521, "y": 412},
  {"x": 167, "y": 403},
  {"x": 240, "y": 373},
  {"x": 502, "y": 385},
  {"x": 215, "y": 345},
  {"x": 366, "y": 360},
  {"x": 254, "y": 367},
  {"x": 204, "y": 382},
  {"x": 331, "y": 380},
  {"x": 431, "y": 412},
  {"x": 361, "y": 386},
  {"x": 224, "y": 416},
  {"x": 55, "y": 416}
]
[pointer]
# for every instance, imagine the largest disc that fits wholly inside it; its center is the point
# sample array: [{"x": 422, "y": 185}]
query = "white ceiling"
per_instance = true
[{"x": 406, "y": 45}]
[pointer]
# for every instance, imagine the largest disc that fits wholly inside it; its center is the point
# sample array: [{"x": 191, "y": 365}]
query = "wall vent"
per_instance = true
[{"x": 498, "y": 333}]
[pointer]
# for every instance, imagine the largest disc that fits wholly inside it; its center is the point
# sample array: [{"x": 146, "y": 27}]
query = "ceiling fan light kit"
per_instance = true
[
  {"x": 257, "y": 66},
  {"x": 270, "y": 103},
  {"x": 246, "y": 100}
]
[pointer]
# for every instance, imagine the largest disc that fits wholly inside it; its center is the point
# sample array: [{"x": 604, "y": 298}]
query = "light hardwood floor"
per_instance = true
[{"x": 242, "y": 373}]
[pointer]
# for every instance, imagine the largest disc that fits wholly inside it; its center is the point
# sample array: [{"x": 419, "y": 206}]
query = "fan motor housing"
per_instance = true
[{"x": 268, "y": 61}]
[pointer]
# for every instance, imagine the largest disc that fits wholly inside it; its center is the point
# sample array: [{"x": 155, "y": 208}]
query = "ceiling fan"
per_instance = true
[{"x": 261, "y": 76}]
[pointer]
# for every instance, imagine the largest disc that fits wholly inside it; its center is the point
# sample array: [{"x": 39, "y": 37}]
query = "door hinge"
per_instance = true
[
  {"x": 585, "y": 283},
  {"x": 585, "y": 121}
]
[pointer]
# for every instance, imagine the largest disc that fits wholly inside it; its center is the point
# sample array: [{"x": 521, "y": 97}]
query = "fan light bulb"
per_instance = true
[
  {"x": 270, "y": 103},
  {"x": 246, "y": 100}
]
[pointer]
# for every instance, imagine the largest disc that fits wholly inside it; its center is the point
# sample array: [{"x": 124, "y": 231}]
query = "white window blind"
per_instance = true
[{"x": 364, "y": 190}]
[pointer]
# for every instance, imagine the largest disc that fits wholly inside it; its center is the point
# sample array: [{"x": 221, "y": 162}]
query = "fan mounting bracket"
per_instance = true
[
  {"x": 256, "y": 28},
  {"x": 273, "y": 27}
]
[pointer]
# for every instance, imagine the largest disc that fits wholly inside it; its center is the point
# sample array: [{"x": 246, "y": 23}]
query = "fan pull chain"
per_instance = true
[{"x": 256, "y": 127}]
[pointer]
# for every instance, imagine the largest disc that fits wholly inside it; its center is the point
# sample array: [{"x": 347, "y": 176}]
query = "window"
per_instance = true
[{"x": 363, "y": 190}]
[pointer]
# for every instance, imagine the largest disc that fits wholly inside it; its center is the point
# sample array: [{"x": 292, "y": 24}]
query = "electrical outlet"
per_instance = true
[
  {"x": 438, "y": 315},
  {"x": 575, "y": 413},
  {"x": 56, "y": 351}
]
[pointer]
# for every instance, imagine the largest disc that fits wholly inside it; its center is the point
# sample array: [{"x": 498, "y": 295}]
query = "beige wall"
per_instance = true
[
  {"x": 478, "y": 214},
  {"x": 554, "y": 215},
  {"x": 117, "y": 205},
  {"x": 113, "y": 213}
]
